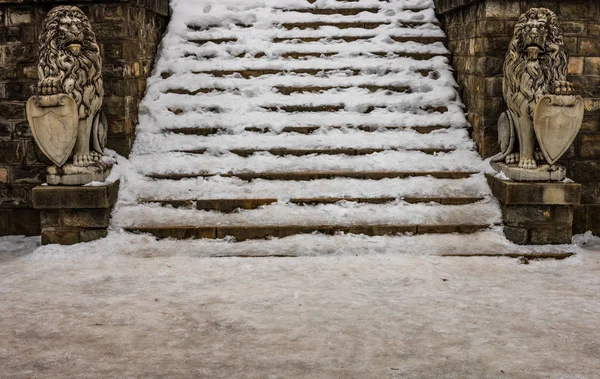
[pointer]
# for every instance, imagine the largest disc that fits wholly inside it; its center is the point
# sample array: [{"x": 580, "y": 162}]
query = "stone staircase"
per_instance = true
[{"x": 307, "y": 116}]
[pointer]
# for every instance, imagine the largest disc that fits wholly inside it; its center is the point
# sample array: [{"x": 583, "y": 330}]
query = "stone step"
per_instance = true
[
  {"x": 414, "y": 8},
  {"x": 242, "y": 233},
  {"x": 373, "y": 88},
  {"x": 339, "y": 107},
  {"x": 308, "y": 54},
  {"x": 417, "y": 39},
  {"x": 333, "y": 11},
  {"x": 198, "y": 131},
  {"x": 313, "y": 175},
  {"x": 353, "y": 24},
  {"x": 327, "y": 151},
  {"x": 390, "y": 53},
  {"x": 230, "y": 205},
  {"x": 290, "y": 90},
  {"x": 248, "y": 74}
]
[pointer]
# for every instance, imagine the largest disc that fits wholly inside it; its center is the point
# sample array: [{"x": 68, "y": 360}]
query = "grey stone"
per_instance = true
[
  {"x": 71, "y": 175},
  {"x": 64, "y": 197},
  {"x": 62, "y": 126},
  {"x": 516, "y": 235},
  {"x": 543, "y": 173},
  {"x": 516, "y": 193},
  {"x": 537, "y": 64}
]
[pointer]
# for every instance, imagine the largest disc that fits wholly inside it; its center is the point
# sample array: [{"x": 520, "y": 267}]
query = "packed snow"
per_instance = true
[
  {"x": 376, "y": 79},
  {"x": 132, "y": 306}
]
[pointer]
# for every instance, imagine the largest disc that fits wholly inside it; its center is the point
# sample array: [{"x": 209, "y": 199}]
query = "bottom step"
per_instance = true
[{"x": 243, "y": 233}]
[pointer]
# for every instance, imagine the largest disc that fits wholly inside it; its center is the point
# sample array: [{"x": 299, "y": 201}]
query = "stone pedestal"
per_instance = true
[
  {"x": 536, "y": 213},
  {"x": 70, "y": 175},
  {"x": 71, "y": 215},
  {"x": 543, "y": 173}
]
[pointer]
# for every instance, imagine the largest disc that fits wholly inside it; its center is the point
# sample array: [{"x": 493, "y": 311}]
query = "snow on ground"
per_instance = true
[{"x": 129, "y": 306}]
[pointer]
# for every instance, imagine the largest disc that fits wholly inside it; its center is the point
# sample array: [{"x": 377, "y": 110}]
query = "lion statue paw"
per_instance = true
[
  {"x": 512, "y": 158},
  {"x": 527, "y": 163},
  {"x": 563, "y": 88}
]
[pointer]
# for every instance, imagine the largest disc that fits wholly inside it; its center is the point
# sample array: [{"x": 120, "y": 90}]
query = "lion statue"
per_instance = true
[
  {"x": 70, "y": 63},
  {"x": 535, "y": 65}
]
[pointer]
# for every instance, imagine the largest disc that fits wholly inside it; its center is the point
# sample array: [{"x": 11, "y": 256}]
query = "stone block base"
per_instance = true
[
  {"x": 70, "y": 175},
  {"x": 536, "y": 213},
  {"x": 70, "y": 215},
  {"x": 554, "y": 173}
]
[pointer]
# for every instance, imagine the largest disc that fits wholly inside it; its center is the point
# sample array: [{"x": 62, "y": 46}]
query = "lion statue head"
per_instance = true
[
  {"x": 69, "y": 59},
  {"x": 535, "y": 61}
]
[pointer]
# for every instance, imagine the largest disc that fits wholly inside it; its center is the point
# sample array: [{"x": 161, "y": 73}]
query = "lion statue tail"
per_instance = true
[
  {"x": 99, "y": 132},
  {"x": 506, "y": 135}
]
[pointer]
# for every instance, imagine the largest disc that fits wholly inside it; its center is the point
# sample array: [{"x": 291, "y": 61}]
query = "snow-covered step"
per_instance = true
[
  {"x": 403, "y": 139},
  {"x": 204, "y": 188},
  {"x": 232, "y": 205},
  {"x": 323, "y": 72},
  {"x": 459, "y": 161},
  {"x": 426, "y": 40},
  {"x": 221, "y": 130},
  {"x": 284, "y": 219},
  {"x": 353, "y": 24},
  {"x": 242, "y": 233},
  {"x": 313, "y": 66},
  {"x": 313, "y": 175},
  {"x": 353, "y": 11},
  {"x": 301, "y": 117}
]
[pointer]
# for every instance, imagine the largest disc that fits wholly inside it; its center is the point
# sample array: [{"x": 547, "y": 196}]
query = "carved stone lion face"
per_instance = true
[
  {"x": 538, "y": 30},
  {"x": 70, "y": 30}
]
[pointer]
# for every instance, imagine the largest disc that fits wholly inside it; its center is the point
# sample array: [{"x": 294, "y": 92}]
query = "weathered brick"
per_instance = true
[
  {"x": 25, "y": 222},
  {"x": 19, "y": 16},
  {"x": 4, "y": 222},
  {"x": 6, "y": 130},
  {"x": 15, "y": 54},
  {"x": 501, "y": 9},
  {"x": 22, "y": 130},
  {"x": 88, "y": 235},
  {"x": 50, "y": 219},
  {"x": 589, "y": 47},
  {"x": 589, "y": 146},
  {"x": 590, "y": 192},
  {"x": 591, "y": 66},
  {"x": 12, "y": 110},
  {"x": 12, "y": 152},
  {"x": 574, "y": 28},
  {"x": 585, "y": 170},
  {"x": 60, "y": 236},
  {"x": 550, "y": 235},
  {"x": 85, "y": 218},
  {"x": 516, "y": 235},
  {"x": 523, "y": 215},
  {"x": 576, "y": 65},
  {"x": 575, "y": 10},
  {"x": 4, "y": 175}
]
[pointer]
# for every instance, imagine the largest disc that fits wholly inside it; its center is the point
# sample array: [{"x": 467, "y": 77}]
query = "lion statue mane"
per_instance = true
[
  {"x": 69, "y": 62},
  {"x": 536, "y": 64}
]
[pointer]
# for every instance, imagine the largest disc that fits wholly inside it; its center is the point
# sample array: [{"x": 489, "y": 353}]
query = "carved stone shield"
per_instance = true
[
  {"x": 557, "y": 120},
  {"x": 54, "y": 122}
]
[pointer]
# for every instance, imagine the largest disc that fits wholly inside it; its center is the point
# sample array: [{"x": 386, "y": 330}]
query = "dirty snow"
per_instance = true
[{"x": 131, "y": 306}]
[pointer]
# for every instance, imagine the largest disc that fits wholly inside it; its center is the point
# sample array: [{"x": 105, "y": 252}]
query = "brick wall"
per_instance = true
[
  {"x": 478, "y": 35},
  {"x": 128, "y": 33}
]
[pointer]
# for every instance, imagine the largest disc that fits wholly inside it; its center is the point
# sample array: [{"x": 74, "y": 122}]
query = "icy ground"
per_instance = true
[{"x": 124, "y": 307}]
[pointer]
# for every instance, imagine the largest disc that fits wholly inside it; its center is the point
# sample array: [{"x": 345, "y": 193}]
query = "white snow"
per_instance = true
[
  {"x": 184, "y": 94},
  {"x": 342, "y": 213},
  {"x": 379, "y": 307}
]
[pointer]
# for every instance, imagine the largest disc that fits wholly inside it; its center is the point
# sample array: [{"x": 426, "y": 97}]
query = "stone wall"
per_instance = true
[
  {"x": 478, "y": 35},
  {"x": 128, "y": 32}
]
